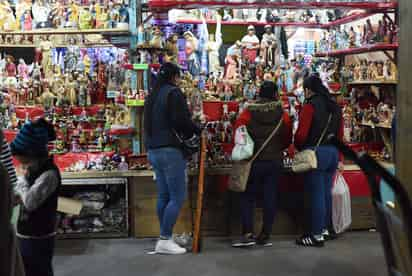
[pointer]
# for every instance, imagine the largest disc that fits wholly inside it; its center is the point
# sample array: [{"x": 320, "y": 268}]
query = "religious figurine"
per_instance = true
[
  {"x": 268, "y": 47},
  {"x": 233, "y": 56},
  {"x": 73, "y": 11},
  {"x": 46, "y": 63},
  {"x": 123, "y": 17},
  {"x": 41, "y": 11},
  {"x": 380, "y": 35},
  {"x": 7, "y": 20},
  {"x": 27, "y": 24},
  {"x": 10, "y": 69},
  {"x": 226, "y": 15},
  {"x": 113, "y": 16},
  {"x": 85, "y": 19},
  {"x": 22, "y": 7},
  {"x": 172, "y": 48},
  {"x": 23, "y": 69},
  {"x": 371, "y": 71},
  {"x": 250, "y": 43},
  {"x": 352, "y": 38},
  {"x": 250, "y": 90},
  {"x": 192, "y": 58},
  {"x": 157, "y": 39},
  {"x": 369, "y": 33},
  {"x": 213, "y": 46},
  {"x": 102, "y": 19},
  {"x": 47, "y": 99},
  {"x": 379, "y": 71}
]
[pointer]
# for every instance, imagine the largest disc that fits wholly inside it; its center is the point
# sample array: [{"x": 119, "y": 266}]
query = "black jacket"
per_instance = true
[
  {"x": 169, "y": 112},
  {"x": 323, "y": 108}
]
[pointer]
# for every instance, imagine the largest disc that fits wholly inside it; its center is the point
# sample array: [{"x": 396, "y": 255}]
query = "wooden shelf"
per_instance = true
[
  {"x": 388, "y": 82},
  {"x": 386, "y": 165},
  {"x": 338, "y": 22},
  {"x": 238, "y": 4},
  {"x": 365, "y": 49},
  {"x": 376, "y": 125},
  {"x": 106, "y": 32}
]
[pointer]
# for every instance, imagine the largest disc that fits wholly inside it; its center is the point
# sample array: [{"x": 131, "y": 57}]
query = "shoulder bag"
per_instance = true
[
  {"x": 239, "y": 174},
  {"x": 306, "y": 160}
]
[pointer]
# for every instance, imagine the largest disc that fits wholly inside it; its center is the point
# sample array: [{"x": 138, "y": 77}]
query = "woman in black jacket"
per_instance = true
[
  {"x": 166, "y": 116},
  {"x": 320, "y": 117}
]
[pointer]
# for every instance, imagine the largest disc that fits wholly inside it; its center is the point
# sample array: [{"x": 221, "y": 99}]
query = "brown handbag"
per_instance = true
[{"x": 239, "y": 174}]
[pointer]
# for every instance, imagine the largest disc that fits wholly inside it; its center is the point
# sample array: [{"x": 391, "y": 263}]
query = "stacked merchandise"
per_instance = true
[{"x": 103, "y": 211}]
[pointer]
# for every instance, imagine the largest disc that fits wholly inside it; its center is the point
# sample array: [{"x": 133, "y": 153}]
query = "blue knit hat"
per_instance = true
[{"x": 33, "y": 138}]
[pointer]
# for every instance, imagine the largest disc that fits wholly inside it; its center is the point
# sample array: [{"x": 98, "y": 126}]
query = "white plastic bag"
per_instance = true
[
  {"x": 244, "y": 145},
  {"x": 341, "y": 205}
]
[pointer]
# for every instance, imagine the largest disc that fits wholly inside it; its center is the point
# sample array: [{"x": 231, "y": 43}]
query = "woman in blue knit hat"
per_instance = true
[{"x": 38, "y": 190}]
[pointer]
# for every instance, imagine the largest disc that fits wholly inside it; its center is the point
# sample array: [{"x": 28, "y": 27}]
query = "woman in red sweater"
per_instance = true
[
  {"x": 319, "y": 115},
  {"x": 261, "y": 118}
]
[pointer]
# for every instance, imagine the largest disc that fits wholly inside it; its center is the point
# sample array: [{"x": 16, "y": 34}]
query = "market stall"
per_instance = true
[{"x": 87, "y": 68}]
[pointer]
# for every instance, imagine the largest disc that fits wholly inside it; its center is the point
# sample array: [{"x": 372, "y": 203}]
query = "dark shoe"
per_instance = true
[
  {"x": 247, "y": 240},
  {"x": 310, "y": 241},
  {"x": 330, "y": 235},
  {"x": 264, "y": 240}
]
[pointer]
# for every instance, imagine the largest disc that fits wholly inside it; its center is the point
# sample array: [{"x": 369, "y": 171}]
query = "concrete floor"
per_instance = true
[{"x": 354, "y": 254}]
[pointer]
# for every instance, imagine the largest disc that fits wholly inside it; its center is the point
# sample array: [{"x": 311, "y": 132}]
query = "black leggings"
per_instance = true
[{"x": 37, "y": 256}]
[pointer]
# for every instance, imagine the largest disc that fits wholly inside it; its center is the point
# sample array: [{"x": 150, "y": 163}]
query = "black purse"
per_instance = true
[{"x": 189, "y": 146}]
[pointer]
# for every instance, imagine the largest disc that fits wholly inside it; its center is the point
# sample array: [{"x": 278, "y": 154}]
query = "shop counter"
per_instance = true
[{"x": 221, "y": 213}]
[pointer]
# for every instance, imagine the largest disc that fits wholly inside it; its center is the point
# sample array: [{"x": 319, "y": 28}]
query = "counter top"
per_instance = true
[{"x": 149, "y": 173}]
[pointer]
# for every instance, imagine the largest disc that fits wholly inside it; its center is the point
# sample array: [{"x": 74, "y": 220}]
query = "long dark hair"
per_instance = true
[
  {"x": 167, "y": 73},
  {"x": 315, "y": 84}
]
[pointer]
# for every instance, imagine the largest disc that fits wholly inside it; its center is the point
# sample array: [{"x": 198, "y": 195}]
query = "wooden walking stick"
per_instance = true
[{"x": 199, "y": 204}]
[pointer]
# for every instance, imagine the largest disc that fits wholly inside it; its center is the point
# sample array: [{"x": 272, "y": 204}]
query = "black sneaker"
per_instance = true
[
  {"x": 310, "y": 241},
  {"x": 330, "y": 235},
  {"x": 264, "y": 240},
  {"x": 247, "y": 240}
]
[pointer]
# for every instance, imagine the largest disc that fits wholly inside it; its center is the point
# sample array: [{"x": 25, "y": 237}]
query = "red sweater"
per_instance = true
[
  {"x": 245, "y": 117},
  {"x": 305, "y": 123}
]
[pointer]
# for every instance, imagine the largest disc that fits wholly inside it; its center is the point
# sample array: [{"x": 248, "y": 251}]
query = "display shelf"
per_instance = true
[
  {"x": 346, "y": 19},
  {"x": 388, "y": 82},
  {"x": 169, "y": 4},
  {"x": 353, "y": 167},
  {"x": 91, "y": 45},
  {"x": 376, "y": 125},
  {"x": 107, "y": 32},
  {"x": 66, "y": 236},
  {"x": 365, "y": 49}
]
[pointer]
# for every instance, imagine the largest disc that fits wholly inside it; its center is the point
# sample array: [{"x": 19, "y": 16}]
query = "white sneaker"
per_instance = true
[{"x": 169, "y": 247}]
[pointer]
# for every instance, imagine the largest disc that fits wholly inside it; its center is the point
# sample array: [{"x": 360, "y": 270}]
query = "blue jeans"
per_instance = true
[
  {"x": 318, "y": 185},
  {"x": 37, "y": 256},
  {"x": 169, "y": 166},
  {"x": 264, "y": 174}
]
